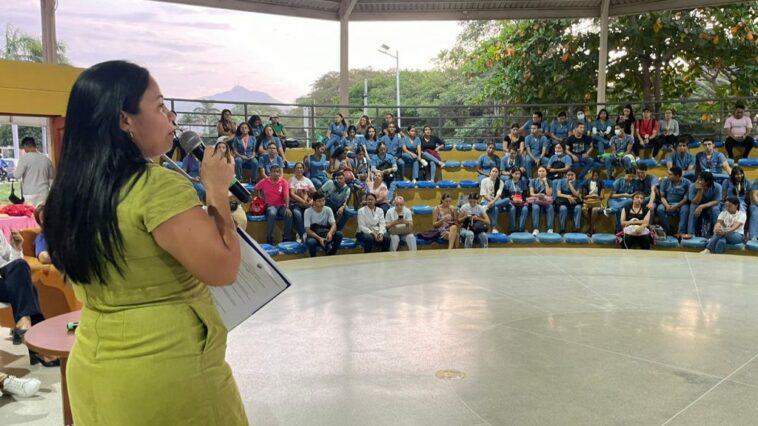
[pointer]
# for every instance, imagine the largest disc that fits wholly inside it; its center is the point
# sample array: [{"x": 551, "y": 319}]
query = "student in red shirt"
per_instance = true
[
  {"x": 276, "y": 191},
  {"x": 646, "y": 130}
]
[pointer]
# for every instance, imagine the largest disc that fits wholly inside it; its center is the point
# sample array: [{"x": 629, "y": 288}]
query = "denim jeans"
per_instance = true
[
  {"x": 273, "y": 213},
  {"x": 530, "y": 165},
  {"x": 494, "y": 211},
  {"x": 468, "y": 238},
  {"x": 549, "y": 212},
  {"x": 616, "y": 205},
  {"x": 683, "y": 213},
  {"x": 319, "y": 181},
  {"x": 367, "y": 242},
  {"x": 576, "y": 209},
  {"x": 600, "y": 144},
  {"x": 522, "y": 211},
  {"x": 717, "y": 244},
  {"x": 433, "y": 163},
  {"x": 584, "y": 165},
  {"x": 692, "y": 221},
  {"x": 240, "y": 164},
  {"x": 626, "y": 162},
  {"x": 753, "y": 221},
  {"x": 407, "y": 159},
  {"x": 331, "y": 247},
  {"x": 297, "y": 217}
]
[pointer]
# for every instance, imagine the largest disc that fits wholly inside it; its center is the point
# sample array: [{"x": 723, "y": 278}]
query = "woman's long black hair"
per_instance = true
[{"x": 96, "y": 161}]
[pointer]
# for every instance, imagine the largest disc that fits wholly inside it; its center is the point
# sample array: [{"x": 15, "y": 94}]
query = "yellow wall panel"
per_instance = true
[{"x": 28, "y": 88}]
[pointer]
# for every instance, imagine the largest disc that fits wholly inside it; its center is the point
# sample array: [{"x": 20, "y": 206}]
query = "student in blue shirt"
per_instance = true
[
  {"x": 335, "y": 133},
  {"x": 647, "y": 183},
  {"x": 754, "y": 210},
  {"x": 411, "y": 152},
  {"x": 243, "y": 151},
  {"x": 705, "y": 200},
  {"x": 559, "y": 130},
  {"x": 256, "y": 126},
  {"x": 684, "y": 160},
  {"x": 316, "y": 165},
  {"x": 674, "y": 201},
  {"x": 372, "y": 141},
  {"x": 554, "y": 168},
  {"x": 517, "y": 185},
  {"x": 394, "y": 143},
  {"x": 710, "y": 160},
  {"x": 536, "y": 149},
  {"x": 623, "y": 190},
  {"x": 272, "y": 159},
  {"x": 351, "y": 143},
  {"x": 737, "y": 186},
  {"x": 569, "y": 198},
  {"x": 579, "y": 147},
  {"x": 592, "y": 196},
  {"x": 602, "y": 130},
  {"x": 536, "y": 119},
  {"x": 487, "y": 162},
  {"x": 541, "y": 188},
  {"x": 386, "y": 164},
  {"x": 268, "y": 137},
  {"x": 621, "y": 151},
  {"x": 512, "y": 160}
]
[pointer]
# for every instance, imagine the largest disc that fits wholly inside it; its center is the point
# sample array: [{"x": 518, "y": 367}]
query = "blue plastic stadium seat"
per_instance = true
[
  {"x": 735, "y": 247},
  {"x": 253, "y": 218},
  {"x": 545, "y": 238},
  {"x": 350, "y": 212},
  {"x": 718, "y": 143},
  {"x": 748, "y": 162},
  {"x": 664, "y": 162},
  {"x": 649, "y": 162},
  {"x": 499, "y": 146},
  {"x": 348, "y": 243},
  {"x": 447, "y": 147},
  {"x": 730, "y": 161},
  {"x": 480, "y": 146},
  {"x": 497, "y": 238},
  {"x": 470, "y": 164},
  {"x": 668, "y": 242},
  {"x": 576, "y": 238},
  {"x": 694, "y": 144},
  {"x": 291, "y": 247},
  {"x": 522, "y": 238},
  {"x": 608, "y": 183},
  {"x": 604, "y": 239},
  {"x": 452, "y": 164},
  {"x": 695, "y": 242},
  {"x": 464, "y": 147},
  {"x": 422, "y": 210},
  {"x": 249, "y": 186},
  {"x": 469, "y": 184},
  {"x": 752, "y": 245},
  {"x": 404, "y": 184},
  {"x": 447, "y": 184},
  {"x": 422, "y": 242},
  {"x": 425, "y": 184},
  {"x": 755, "y": 143},
  {"x": 271, "y": 250}
]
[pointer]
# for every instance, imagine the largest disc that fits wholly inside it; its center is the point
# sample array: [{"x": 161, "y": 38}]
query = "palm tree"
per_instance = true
[{"x": 21, "y": 47}]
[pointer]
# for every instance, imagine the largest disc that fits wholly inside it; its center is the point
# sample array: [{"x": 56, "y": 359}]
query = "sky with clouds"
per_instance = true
[{"x": 194, "y": 51}]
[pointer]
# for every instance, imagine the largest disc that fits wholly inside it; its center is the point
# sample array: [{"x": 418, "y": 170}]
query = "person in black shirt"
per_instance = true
[
  {"x": 579, "y": 147},
  {"x": 635, "y": 220},
  {"x": 514, "y": 139}
]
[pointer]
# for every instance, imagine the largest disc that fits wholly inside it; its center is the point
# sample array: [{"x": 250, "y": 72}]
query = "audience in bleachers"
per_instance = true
[
  {"x": 411, "y": 153},
  {"x": 635, "y": 219},
  {"x": 559, "y": 163},
  {"x": 712, "y": 161},
  {"x": 388, "y": 118},
  {"x": 494, "y": 199},
  {"x": 513, "y": 159},
  {"x": 683, "y": 159},
  {"x": 394, "y": 144},
  {"x": 737, "y": 186},
  {"x": 276, "y": 193},
  {"x": 267, "y": 138},
  {"x": 559, "y": 131},
  {"x": 487, "y": 161},
  {"x": 569, "y": 199},
  {"x": 243, "y": 150},
  {"x": 372, "y": 141},
  {"x": 537, "y": 146},
  {"x": 668, "y": 132},
  {"x": 645, "y": 132},
  {"x": 301, "y": 198},
  {"x": 474, "y": 222},
  {"x": 277, "y": 126},
  {"x": 372, "y": 228},
  {"x": 445, "y": 221},
  {"x": 340, "y": 162},
  {"x": 602, "y": 130},
  {"x": 225, "y": 125},
  {"x": 316, "y": 165},
  {"x": 430, "y": 147},
  {"x": 738, "y": 132},
  {"x": 399, "y": 220},
  {"x": 363, "y": 124},
  {"x": 335, "y": 133},
  {"x": 674, "y": 202},
  {"x": 705, "y": 202},
  {"x": 626, "y": 120},
  {"x": 541, "y": 200},
  {"x": 271, "y": 158},
  {"x": 526, "y": 129},
  {"x": 379, "y": 189},
  {"x": 384, "y": 163},
  {"x": 647, "y": 183},
  {"x": 321, "y": 228},
  {"x": 518, "y": 190},
  {"x": 621, "y": 198},
  {"x": 621, "y": 154},
  {"x": 592, "y": 199},
  {"x": 256, "y": 126},
  {"x": 579, "y": 146},
  {"x": 754, "y": 210},
  {"x": 729, "y": 227},
  {"x": 352, "y": 143},
  {"x": 514, "y": 139},
  {"x": 337, "y": 195}
]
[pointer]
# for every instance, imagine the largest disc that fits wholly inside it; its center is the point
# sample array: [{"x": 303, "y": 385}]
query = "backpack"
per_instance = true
[{"x": 258, "y": 206}]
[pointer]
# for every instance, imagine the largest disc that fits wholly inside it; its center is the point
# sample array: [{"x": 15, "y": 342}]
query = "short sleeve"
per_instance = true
[
  {"x": 728, "y": 123},
  {"x": 163, "y": 195},
  {"x": 330, "y": 215}
]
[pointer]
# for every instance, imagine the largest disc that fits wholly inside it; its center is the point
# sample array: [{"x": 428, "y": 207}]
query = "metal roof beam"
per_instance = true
[
  {"x": 346, "y": 8},
  {"x": 254, "y": 6}
]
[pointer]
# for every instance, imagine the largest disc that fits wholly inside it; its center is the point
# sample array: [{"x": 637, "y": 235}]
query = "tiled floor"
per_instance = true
[{"x": 543, "y": 336}]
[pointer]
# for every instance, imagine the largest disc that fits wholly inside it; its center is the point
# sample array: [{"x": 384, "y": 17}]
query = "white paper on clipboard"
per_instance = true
[{"x": 259, "y": 281}]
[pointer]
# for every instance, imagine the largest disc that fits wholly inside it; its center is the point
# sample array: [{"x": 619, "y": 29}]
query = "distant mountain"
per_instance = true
[{"x": 235, "y": 94}]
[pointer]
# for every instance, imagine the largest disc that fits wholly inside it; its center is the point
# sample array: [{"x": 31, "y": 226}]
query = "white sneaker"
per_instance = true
[
  {"x": 549, "y": 231},
  {"x": 21, "y": 387},
  {"x": 413, "y": 181},
  {"x": 495, "y": 231},
  {"x": 536, "y": 232},
  {"x": 298, "y": 238},
  {"x": 423, "y": 162},
  {"x": 706, "y": 251}
]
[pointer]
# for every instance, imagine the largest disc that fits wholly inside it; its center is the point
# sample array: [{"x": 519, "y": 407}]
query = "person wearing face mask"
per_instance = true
[
  {"x": 621, "y": 151},
  {"x": 738, "y": 128}
]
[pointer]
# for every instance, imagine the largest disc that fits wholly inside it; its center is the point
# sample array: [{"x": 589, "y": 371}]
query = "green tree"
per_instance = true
[{"x": 21, "y": 47}]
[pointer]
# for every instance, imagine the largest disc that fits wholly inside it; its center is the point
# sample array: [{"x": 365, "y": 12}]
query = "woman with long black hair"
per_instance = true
[{"x": 150, "y": 344}]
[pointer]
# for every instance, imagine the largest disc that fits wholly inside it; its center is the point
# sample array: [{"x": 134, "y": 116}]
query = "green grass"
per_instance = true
[{"x": 5, "y": 191}]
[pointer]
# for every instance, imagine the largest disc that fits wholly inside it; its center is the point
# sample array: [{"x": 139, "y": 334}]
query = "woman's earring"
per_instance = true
[{"x": 131, "y": 135}]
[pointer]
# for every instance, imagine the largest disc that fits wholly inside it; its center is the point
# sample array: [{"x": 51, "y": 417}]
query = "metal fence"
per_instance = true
[{"x": 453, "y": 123}]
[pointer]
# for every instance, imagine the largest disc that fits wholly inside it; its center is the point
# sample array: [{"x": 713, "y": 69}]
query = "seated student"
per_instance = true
[
  {"x": 301, "y": 197},
  {"x": 623, "y": 189},
  {"x": 445, "y": 220},
  {"x": 683, "y": 159},
  {"x": 536, "y": 119},
  {"x": 674, "y": 191},
  {"x": 270, "y": 159},
  {"x": 738, "y": 128},
  {"x": 541, "y": 198},
  {"x": 559, "y": 163},
  {"x": 646, "y": 131},
  {"x": 384, "y": 163},
  {"x": 621, "y": 151},
  {"x": 225, "y": 126},
  {"x": 321, "y": 228},
  {"x": 351, "y": 143},
  {"x": 388, "y": 119},
  {"x": 592, "y": 192},
  {"x": 635, "y": 219},
  {"x": 729, "y": 228},
  {"x": 362, "y": 178},
  {"x": 602, "y": 130},
  {"x": 536, "y": 149},
  {"x": 669, "y": 132},
  {"x": 363, "y": 124},
  {"x": 430, "y": 152},
  {"x": 400, "y": 225},
  {"x": 337, "y": 194},
  {"x": 19, "y": 387},
  {"x": 579, "y": 147},
  {"x": 411, "y": 152},
  {"x": 581, "y": 118},
  {"x": 737, "y": 186},
  {"x": 316, "y": 165},
  {"x": 493, "y": 197},
  {"x": 40, "y": 244},
  {"x": 647, "y": 183},
  {"x": 372, "y": 226},
  {"x": 754, "y": 211},
  {"x": 243, "y": 150},
  {"x": 276, "y": 192},
  {"x": 487, "y": 162},
  {"x": 559, "y": 131},
  {"x": 705, "y": 200},
  {"x": 517, "y": 189},
  {"x": 474, "y": 222},
  {"x": 267, "y": 138},
  {"x": 340, "y": 162},
  {"x": 569, "y": 198},
  {"x": 712, "y": 161},
  {"x": 380, "y": 191},
  {"x": 256, "y": 126},
  {"x": 514, "y": 139},
  {"x": 394, "y": 142},
  {"x": 277, "y": 126},
  {"x": 335, "y": 133},
  {"x": 512, "y": 160},
  {"x": 371, "y": 142}
]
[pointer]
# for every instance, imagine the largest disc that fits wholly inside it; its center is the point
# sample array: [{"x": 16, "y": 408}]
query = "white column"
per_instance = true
[
  {"x": 602, "y": 64},
  {"x": 344, "y": 68},
  {"x": 14, "y": 133},
  {"x": 49, "y": 42}
]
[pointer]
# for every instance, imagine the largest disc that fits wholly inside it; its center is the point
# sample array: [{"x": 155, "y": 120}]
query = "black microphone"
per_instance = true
[{"x": 192, "y": 143}]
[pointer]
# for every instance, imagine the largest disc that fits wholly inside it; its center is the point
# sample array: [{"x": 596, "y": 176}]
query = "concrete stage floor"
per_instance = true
[{"x": 512, "y": 336}]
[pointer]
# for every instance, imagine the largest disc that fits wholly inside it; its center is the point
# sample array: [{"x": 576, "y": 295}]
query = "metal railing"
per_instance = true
[{"x": 308, "y": 123}]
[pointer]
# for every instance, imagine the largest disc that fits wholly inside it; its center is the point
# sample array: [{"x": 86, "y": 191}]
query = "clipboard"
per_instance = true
[{"x": 258, "y": 282}]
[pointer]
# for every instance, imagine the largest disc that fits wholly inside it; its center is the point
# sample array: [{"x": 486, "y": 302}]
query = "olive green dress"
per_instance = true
[{"x": 150, "y": 345}]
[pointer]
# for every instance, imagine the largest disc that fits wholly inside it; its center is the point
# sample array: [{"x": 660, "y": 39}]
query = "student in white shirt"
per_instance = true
[
  {"x": 730, "y": 228},
  {"x": 493, "y": 199},
  {"x": 371, "y": 226}
]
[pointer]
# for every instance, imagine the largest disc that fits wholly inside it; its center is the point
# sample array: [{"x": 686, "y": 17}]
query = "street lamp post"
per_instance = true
[{"x": 385, "y": 50}]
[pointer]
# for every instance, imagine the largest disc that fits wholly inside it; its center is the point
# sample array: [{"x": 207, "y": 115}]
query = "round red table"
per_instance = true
[{"x": 51, "y": 338}]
